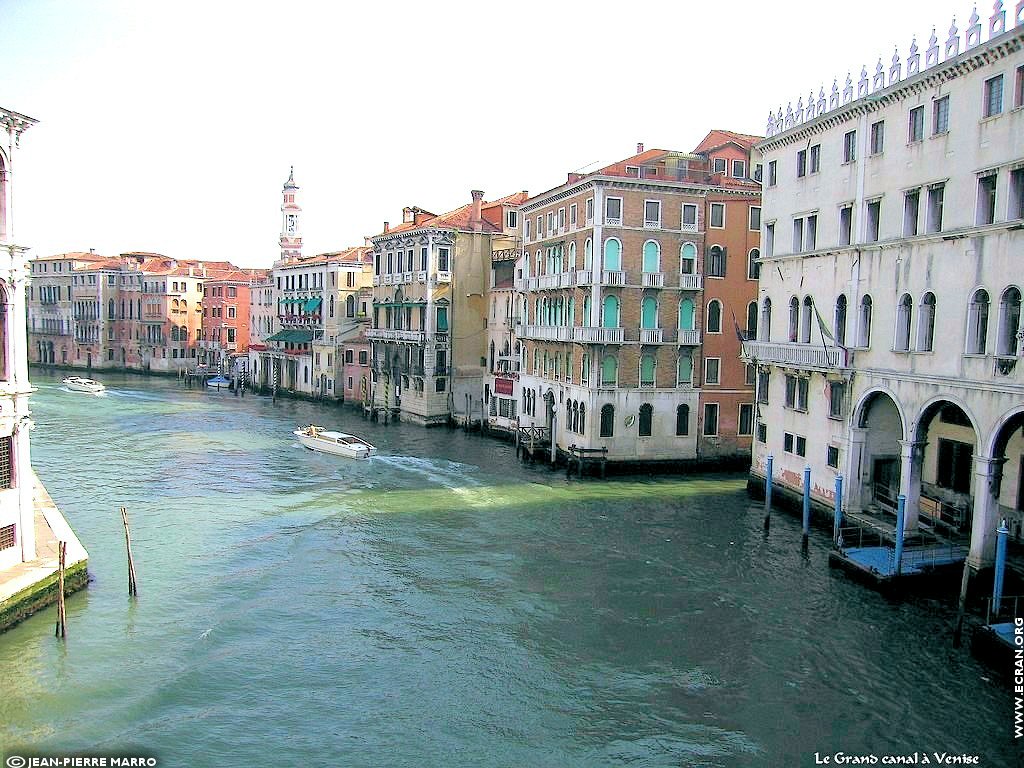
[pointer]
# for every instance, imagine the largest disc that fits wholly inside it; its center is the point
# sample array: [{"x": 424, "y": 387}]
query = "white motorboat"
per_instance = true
[
  {"x": 78, "y": 384},
  {"x": 337, "y": 443}
]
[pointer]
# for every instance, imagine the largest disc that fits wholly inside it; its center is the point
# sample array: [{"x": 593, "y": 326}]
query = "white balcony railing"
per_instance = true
[
  {"x": 546, "y": 282},
  {"x": 388, "y": 279},
  {"x": 613, "y": 278},
  {"x": 567, "y": 280},
  {"x": 650, "y": 335},
  {"x": 587, "y": 334},
  {"x": 691, "y": 282},
  {"x": 380, "y": 334},
  {"x": 544, "y": 332},
  {"x": 653, "y": 279},
  {"x": 584, "y": 277},
  {"x": 689, "y": 338},
  {"x": 795, "y": 354},
  {"x": 691, "y": 228},
  {"x": 612, "y": 221},
  {"x": 652, "y": 225},
  {"x": 421, "y": 277},
  {"x": 376, "y": 279},
  {"x": 407, "y": 277}
]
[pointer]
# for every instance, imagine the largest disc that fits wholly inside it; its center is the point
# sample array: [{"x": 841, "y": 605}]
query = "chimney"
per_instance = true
[
  {"x": 475, "y": 218},
  {"x": 639, "y": 148},
  {"x": 92, "y": 250},
  {"x": 386, "y": 227},
  {"x": 367, "y": 242},
  {"x": 407, "y": 215}
]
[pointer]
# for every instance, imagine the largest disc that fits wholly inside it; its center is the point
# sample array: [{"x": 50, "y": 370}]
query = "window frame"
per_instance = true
[
  {"x": 990, "y": 109},
  {"x": 915, "y": 124},
  {"x": 711, "y": 215}
]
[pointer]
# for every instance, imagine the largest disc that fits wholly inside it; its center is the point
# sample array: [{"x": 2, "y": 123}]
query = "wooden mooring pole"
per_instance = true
[
  {"x": 133, "y": 590},
  {"x": 62, "y": 618}
]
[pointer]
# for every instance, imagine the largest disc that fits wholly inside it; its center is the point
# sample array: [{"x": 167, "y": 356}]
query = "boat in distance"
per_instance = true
[
  {"x": 337, "y": 443},
  {"x": 78, "y": 384}
]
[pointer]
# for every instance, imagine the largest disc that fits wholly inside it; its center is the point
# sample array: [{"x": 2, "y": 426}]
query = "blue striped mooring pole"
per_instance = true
[
  {"x": 807, "y": 500},
  {"x": 838, "y": 523},
  {"x": 901, "y": 513},
  {"x": 997, "y": 585},
  {"x": 768, "y": 491}
]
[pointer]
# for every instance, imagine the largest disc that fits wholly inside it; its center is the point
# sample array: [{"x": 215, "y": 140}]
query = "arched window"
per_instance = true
[
  {"x": 583, "y": 419},
  {"x": 536, "y": 358},
  {"x": 138, "y": 308},
  {"x": 609, "y": 371},
  {"x": 715, "y": 264},
  {"x": 686, "y": 315},
  {"x": 612, "y": 255},
  {"x": 652, "y": 257},
  {"x": 714, "y": 316},
  {"x": 647, "y": 370},
  {"x": 122, "y": 309},
  {"x": 865, "y": 322},
  {"x": 350, "y": 306},
  {"x": 174, "y": 333},
  {"x": 682, "y": 420},
  {"x": 572, "y": 256},
  {"x": 588, "y": 254},
  {"x": 684, "y": 369},
  {"x": 492, "y": 357},
  {"x": 904, "y": 313},
  {"x": 110, "y": 309},
  {"x": 568, "y": 415},
  {"x": 926, "y": 323},
  {"x": 840, "y": 321},
  {"x": 570, "y": 319},
  {"x": 540, "y": 261},
  {"x": 805, "y": 320},
  {"x": 607, "y": 420},
  {"x": 585, "y": 371},
  {"x": 610, "y": 313},
  {"x": 645, "y": 420},
  {"x": 558, "y": 365},
  {"x": 794, "y": 318},
  {"x": 753, "y": 266},
  {"x": 586, "y": 310},
  {"x": 1008, "y": 343},
  {"x": 649, "y": 313},
  {"x": 766, "y": 319},
  {"x": 752, "y": 320},
  {"x": 688, "y": 259}
]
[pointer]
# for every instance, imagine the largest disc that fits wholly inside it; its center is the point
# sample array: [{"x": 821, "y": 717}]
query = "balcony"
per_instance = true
[
  {"x": 421, "y": 277},
  {"x": 652, "y": 225},
  {"x": 388, "y": 279},
  {"x": 395, "y": 334},
  {"x": 413, "y": 336},
  {"x": 653, "y": 279},
  {"x": 408, "y": 277},
  {"x": 689, "y": 338},
  {"x": 584, "y": 277},
  {"x": 567, "y": 280},
  {"x": 651, "y": 336},
  {"x": 795, "y": 355},
  {"x": 547, "y": 282},
  {"x": 691, "y": 282},
  {"x": 613, "y": 221},
  {"x": 613, "y": 278},
  {"x": 590, "y": 335},
  {"x": 376, "y": 280},
  {"x": 444, "y": 277},
  {"x": 544, "y": 332},
  {"x": 691, "y": 228}
]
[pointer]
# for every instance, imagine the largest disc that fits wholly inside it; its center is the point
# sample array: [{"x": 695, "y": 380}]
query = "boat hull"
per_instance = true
[
  {"x": 83, "y": 385},
  {"x": 333, "y": 447}
]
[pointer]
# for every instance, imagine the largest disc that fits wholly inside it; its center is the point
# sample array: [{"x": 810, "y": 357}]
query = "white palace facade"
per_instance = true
[{"x": 889, "y": 344}]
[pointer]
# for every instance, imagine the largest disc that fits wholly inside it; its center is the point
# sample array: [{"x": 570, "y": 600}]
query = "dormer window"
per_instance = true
[
  {"x": 632, "y": 170},
  {"x": 718, "y": 165},
  {"x": 739, "y": 169}
]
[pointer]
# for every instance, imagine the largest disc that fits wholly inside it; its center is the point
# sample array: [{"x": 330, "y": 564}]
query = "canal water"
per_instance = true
[{"x": 442, "y": 605}]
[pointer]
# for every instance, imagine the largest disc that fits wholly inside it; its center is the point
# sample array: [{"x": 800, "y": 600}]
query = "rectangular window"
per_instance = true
[
  {"x": 954, "y": 465},
  {"x": 526, "y": 229},
  {"x": 801, "y": 446},
  {"x": 511, "y": 219},
  {"x": 874, "y": 214},
  {"x": 652, "y": 213},
  {"x": 1018, "y": 88},
  {"x": 613, "y": 211},
  {"x": 993, "y": 96},
  {"x": 801, "y": 163},
  {"x": 718, "y": 215},
  {"x": 1016, "y": 208},
  {"x": 773, "y": 175},
  {"x": 987, "y": 199},
  {"x": 573, "y": 215},
  {"x": 846, "y": 225},
  {"x": 802, "y": 385},
  {"x": 787, "y": 442},
  {"x": 763, "y": 380},
  {"x": 877, "y": 137},
  {"x": 850, "y": 147},
  {"x": 589, "y": 211},
  {"x": 739, "y": 169},
  {"x": 689, "y": 217},
  {"x": 746, "y": 425},
  {"x": 762, "y": 433},
  {"x": 540, "y": 227},
  {"x": 551, "y": 222},
  {"x": 814, "y": 159},
  {"x": 811, "y": 238},
  {"x": 915, "y": 131},
  {"x": 363, "y": 357},
  {"x": 443, "y": 264},
  {"x": 769, "y": 239},
  {"x": 911, "y": 207},
  {"x": 711, "y": 368},
  {"x": 718, "y": 165},
  {"x": 836, "y": 396},
  {"x": 940, "y": 116},
  {"x": 749, "y": 374},
  {"x": 561, "y": 219},
  {"x": 758, "y": 171},
  {"x": 935, "y": 194},
  {"x": 791, "y": 391},
  {"x": 232, "y": 312},
  {"x": 832, "y": 456},
  {"x": 710, "y": 419},
  {"x": 798, "y": 235},
  {"x": 754, "y": 223}
]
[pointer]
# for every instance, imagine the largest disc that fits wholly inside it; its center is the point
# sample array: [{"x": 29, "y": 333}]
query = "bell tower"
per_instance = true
[{"x": 291, "y": 239}]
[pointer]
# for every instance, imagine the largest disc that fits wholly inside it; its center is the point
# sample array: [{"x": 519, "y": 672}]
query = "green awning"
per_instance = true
[
  {"x": 313, "y": 305},
  {"x": 294, "y": 336}
]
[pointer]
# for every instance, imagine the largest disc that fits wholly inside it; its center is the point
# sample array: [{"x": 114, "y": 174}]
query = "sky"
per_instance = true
[{"x": 171, "y": 127}]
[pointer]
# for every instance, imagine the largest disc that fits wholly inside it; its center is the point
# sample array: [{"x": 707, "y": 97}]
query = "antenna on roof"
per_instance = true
[{"x": 583, "y": 168}]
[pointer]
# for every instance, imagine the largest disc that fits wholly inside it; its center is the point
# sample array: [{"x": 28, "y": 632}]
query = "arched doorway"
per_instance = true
[
  {"x": 549, "y": 410},
  {"x": 1003, "y": 498},
  {"x": 875, "y": 452},
  {"x": 940, "y": 462}
]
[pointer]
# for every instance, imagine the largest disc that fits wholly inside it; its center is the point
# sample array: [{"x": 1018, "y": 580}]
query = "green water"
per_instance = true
[{"x": 442, "y": 605}]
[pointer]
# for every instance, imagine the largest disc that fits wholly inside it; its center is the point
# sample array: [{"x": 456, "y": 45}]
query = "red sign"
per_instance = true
[{"x": 503, "y": 386}]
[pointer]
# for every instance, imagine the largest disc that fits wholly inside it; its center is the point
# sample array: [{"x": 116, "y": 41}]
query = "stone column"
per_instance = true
[
  {"x": 911, "y": 462},
  {"x": 857, "y": 474},
  {"x": 987, "y": 477}
]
